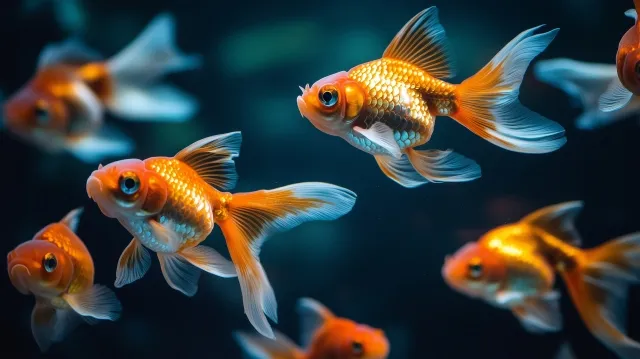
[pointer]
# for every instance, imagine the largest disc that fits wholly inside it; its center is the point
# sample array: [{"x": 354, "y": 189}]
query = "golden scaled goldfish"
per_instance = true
[
  {"x": 171, "y": 204},
  {"x": 62, "y": 107},
  {"x": 324, "y": 336},
  {"x": 514, "y": 267},
  {"x": 387, "y": 107},
  {"x": 56, "y": 267}
]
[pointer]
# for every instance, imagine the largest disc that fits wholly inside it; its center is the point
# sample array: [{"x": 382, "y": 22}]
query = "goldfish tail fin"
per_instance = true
[
  {"x": 540, "y": 315},
  {"x": 599, "y": 288},
  {"x": 443, "y": 166},
  {"x": 489, "y": 105},
  {"x": 257, "y": 347},
  {"x": 583, "y": 82},
  {"x": 151, "y": 55},
  {"x": 50, "y": 325},
  {"x": 247, "y": 219},
  {"x": 107, "y": 142},
  {"x": 98, "y": 302},
  {"x": 313, "y": 315}
]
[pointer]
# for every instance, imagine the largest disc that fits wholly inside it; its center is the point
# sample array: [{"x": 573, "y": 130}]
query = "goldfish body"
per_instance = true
[
  {"x": 387, "y": 107},
  {"x": 627, "y": 83},
  {"x": 56, "y": 267},
  {"x": 586, "y": 83},
  {"x": 324, "y": 336},
  {"x": 514, "y": 267},
  {"x": 62, "y": 106},
  {"x": 170, "y": 205}
]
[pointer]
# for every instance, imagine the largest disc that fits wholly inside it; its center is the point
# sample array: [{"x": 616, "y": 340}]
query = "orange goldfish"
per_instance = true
[
  {"x": 627, "y": 84},
  {"x": 514, "y": 267},
  {"x": 56, "y": 267},
  {"x": 62, "y": 107},
  {"x": 387, "y": 107},
  {"x": 170, "y": 206},
  {"x": 324, "y": 336}
]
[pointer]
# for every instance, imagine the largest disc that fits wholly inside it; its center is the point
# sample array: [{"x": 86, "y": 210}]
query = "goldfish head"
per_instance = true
[
  {"x": 39, "y": 267},
  {"x": 332, "y": 103},
  {"x": 127, "y": 188},
  {"x": 31, "y": 110},
  {"x": 629, "y": 69},
  {"x": 346, "y": 339},
  {"x": 474, "y": 270}
]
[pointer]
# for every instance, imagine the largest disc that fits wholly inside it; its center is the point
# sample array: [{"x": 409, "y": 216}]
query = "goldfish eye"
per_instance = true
[
  {"x": 475, "y": 268},
  {"x": 129, "y": 183},
  {"x": 328, "y": 96},
  {"x": 41, "y": 112},
  {"x": 357, "y": 349},
  {"x": 49, "y": 262}
]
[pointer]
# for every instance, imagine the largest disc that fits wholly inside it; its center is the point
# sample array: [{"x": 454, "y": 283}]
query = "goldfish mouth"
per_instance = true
[
  {"x": 95, "y": 192},
  {"x": 19, "y": 275}
]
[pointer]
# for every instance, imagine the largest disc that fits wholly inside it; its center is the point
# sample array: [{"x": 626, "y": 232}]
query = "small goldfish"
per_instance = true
[
  {"x": 324, "y": 336},
  {"x": 585, "y": 83},
  {"x": 627, "y": 83},
  {"x": 514, "y": 267},
  {"x": 56, "y": 267},
  {"x": 170, "y": 206},
  {"x": 387, "y": 107},
  {"x": 62, "y": 107}
]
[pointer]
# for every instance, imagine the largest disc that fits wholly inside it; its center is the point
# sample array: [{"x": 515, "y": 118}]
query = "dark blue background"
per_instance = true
[{"x": 380, "y": 264}]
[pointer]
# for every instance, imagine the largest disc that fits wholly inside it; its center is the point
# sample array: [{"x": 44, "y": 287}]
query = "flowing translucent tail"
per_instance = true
[
  {"x": 598, "y": 287},
  {"x": 257, "y": 347},
  {"x": 246, "y": 219},
  {"x": 489, "y": 105}
]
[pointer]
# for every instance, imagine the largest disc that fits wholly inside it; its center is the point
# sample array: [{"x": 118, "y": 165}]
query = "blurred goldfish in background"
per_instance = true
[
  {"x": 514, "y": 267},
  {"x": 56, "y": 267},
  {"x": 627, "y": 84},
  {"x": 586, "y": 83},
  {"x": 62, "y": 107},
  {"x": 387, "y": 107},
  {"x": 171, "y": 204},
  {"x": 324, "y": 336}
]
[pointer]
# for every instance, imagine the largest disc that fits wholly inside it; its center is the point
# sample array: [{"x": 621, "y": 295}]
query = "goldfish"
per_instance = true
[
  {"x": 57, "y": 269},
  {"x": 585, "y": 83},
  {"x": 171, "y": 204},
  {"x": 387, "y": 107},
  {"x": 514, "y": 267},
  {"x": 627, "y": 83},
  {"x": 62, "y": 107},
  {"x": 324, "y": 336}
]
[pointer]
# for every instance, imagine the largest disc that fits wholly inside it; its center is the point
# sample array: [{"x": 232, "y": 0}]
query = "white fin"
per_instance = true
[
  {"x": 72, "y": 219},
  {"x": 381, "y": 135},
  {"x": 506, "y": 297},
  {"x": 158, "y": 103},
  {"x": 165, "y": 234},
  {"x": 107, "y": 142},
  {"x": 212, "y": 158},
  {"x": 632, "y": 14},
  {"x": 258, "y": 347},
  {"x": 98, "y": 301},
  {"x": 422, "y": 42},
  {"x": 50, "y": 325},
  {"x": 70, "y": 51},
  {"x": 179, "y": 274},
  {"x": 565, "y": 352},
  {"x": 558, "y": 220},
  {"x": 615, "y": 98},
  {"x": 443, "y": 166},
  {"x": 540, "y": 315},
  {"x": 313, "y": 315},
  {"x": 209, "y": 260},
  {"x": 133, "y": 264},
  {"x": 400, "y": 171},
  {"x": 89, "y": 105}
]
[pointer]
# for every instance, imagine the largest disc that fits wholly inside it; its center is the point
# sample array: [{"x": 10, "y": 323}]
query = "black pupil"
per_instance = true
[
  {"x": 327, "y": 96},
  {"x": 41, "y": 112},
  {"x": 129, "y": 183},
  {"x": 50, "y": 263},
  {"x": 476, "y": 269},
  {"x": 357, "y": 347}
]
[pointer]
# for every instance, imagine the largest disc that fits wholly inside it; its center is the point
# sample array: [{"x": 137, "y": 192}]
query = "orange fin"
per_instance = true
[
  {"x": 489, "y": 105},
  {"x": 257, "y": 347},
  {"x": 212, "y": 158},
  {"x": 558, "y": 220},
  {"x": 599, "y": 286},
  {"x": 133, "y": 264},
  {"x": 313, "y": 316},
  {"x": 249, "y": 218},
  {"x": 422, "y": 42},
  {"x": 540, "y": 315}
]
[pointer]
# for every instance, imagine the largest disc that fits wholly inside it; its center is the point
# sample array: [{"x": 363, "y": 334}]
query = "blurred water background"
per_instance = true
[{"x": 380, "y": 264}]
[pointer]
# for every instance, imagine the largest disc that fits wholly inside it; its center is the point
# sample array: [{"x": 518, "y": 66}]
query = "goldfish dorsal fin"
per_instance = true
[
  {"x": 558, "y": 220},
  {"x": 71, "y": 51},
  {"x": 259, "y": 347},
  {"x": 212, "y": 158},
  {"x": 313, "y": 315},
  {"x": 422, "y": 42},
  {"x": 632, "y": 14},
  {"x": 72, "y": 219}
]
